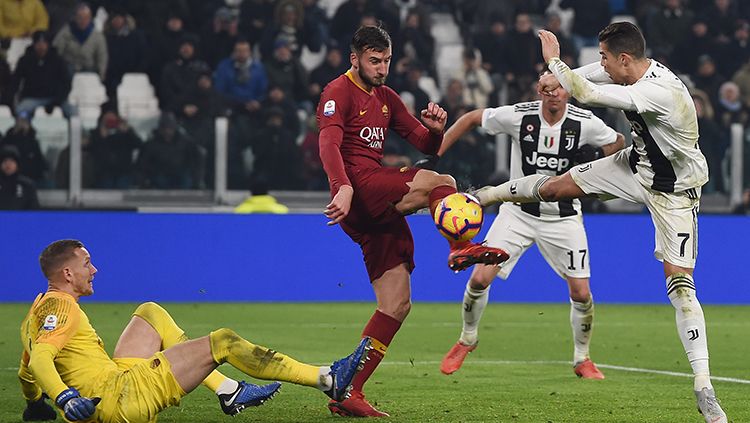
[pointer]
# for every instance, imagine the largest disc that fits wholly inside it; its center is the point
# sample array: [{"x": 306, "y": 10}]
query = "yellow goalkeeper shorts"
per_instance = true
[{"x": 139, "y": 391}]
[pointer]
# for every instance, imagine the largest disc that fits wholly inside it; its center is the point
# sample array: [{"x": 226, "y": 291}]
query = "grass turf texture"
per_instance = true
[{"x": 516, "y": 374}]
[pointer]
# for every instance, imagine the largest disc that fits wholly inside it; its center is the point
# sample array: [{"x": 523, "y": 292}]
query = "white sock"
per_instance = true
[
  {"x": 691, "y": 326},
  {"x": 473, "y": 306},
  {"x": 325, "y": 381},
  {"x": 582, "y": 322},
  {"x": 227, "y": 387},
  {"x": 521, "y": 190}
]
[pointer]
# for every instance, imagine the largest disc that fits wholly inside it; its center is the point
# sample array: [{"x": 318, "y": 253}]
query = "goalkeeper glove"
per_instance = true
[
  {"x": 429, "y": 162},
  {"x": 75, "y": 406},
  {"x": 588, "y": 153},
  {"x": 39, "y": 410}
]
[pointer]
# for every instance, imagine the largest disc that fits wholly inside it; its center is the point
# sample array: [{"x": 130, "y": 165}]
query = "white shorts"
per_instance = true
[
  {"x": 561, "y": 241},
  {"x": 675, "y": 215}
]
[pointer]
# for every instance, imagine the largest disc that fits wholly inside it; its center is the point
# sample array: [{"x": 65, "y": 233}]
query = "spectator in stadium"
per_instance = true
[
  {"x": 17, "y": 192},
  {"x": 707, "y": 78},
  {"x": 260, "y": 201},
  {"x": 738, "y": 50},
  {"x": 154, "y": 363},
  {"x": 477, "y": 82},
  {"x": 730, "y": 108},
  {"x": 22, "y": 137},
  {"x": 492, "y": 42},
  {"x": 219, "y": 36},
  {"x": 88, "y": 167},
  {"x": 314, "y": 175},
  {"x": 83, "y": 46},
  {"x": 453, "y": 100},
  {"x": 668, "y": 27},
  {"x": 330, "y": 69},
  {"x": 696, "y": 44},
  {"x": 169, "y": 160},
  {"x": 254, "y": 16},
  {"x": 41, "y": 78},
  {"x": 290, "y": 25},
  {"x": 59, "y": 12},
  {"x": 241, "y": 79},
  {"x": 128, "y": 46},
  {"x": 720, "y": 16},
  {"x": 113, "y": 145},
  {"x": 406, "y": 78},
  {"x": 6, "y": 86},
  {"x": 524, "y": 63},
  {"x": 286, "y": 71},
  {"x": 589, "y": 16},
  {"x": 350, "y": 14},
  {"x": 166, "y": 46},
  {"x": 415, "y": 40},
  {"x": 742, "y": 79},
  {"x": 712, "y": 139},
  {"x": 278, "y": 159},
  {"x": 21, "y": 18},
  {"x": 197, "y": 111},
  {"x": 277, "y": 97},
  {"x": 316, "y": 19},
  {"x": 567, "y": 46},
  {"x": 179, "y": 75}
]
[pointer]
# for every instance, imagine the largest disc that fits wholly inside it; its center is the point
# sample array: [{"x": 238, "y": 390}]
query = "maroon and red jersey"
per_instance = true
[{"x": 354, "y": 123}]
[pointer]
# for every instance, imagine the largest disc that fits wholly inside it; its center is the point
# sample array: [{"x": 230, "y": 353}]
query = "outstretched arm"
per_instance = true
[
  {"x": 464, "y": 124},
  {"x": 583, "y": 90}
]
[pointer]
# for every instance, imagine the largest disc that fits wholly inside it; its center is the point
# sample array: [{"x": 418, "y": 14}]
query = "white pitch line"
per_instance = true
[
  {"x": 568, "y": 363},
  {"x": 544, "y": 362}
]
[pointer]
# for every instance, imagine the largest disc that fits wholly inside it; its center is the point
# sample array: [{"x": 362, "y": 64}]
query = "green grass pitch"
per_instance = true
[{"x": 519, "y": 373}]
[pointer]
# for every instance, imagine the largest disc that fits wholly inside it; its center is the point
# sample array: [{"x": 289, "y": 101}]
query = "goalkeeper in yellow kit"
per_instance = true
[{"x": 154, "y": 364}]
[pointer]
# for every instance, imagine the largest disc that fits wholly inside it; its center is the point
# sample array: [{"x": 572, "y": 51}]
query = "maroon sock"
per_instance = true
[
  {"x": 381, "y": 329},
  {"x": 437, "y": 194}
]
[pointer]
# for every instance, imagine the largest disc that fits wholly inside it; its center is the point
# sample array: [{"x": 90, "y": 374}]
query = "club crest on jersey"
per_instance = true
[
  {"x": 384, "y": 110},
  {"x": 329, "y": 108},
  {"x": 50, "y": 322},
  {"x": 570, "y": 141},
  {"x": 549, "y": 142}
]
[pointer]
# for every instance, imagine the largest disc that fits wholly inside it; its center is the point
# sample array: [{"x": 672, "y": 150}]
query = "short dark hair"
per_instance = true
[
  {"x": 624, "y": 37},
  {"x": 57, "y": 253},
  {"x": 370, "y": 38}
]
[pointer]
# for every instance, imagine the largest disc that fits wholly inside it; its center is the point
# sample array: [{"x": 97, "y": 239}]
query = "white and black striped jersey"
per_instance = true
[
  {"x": 539, "y": 147},
  {"x": 665, "y": 155}
]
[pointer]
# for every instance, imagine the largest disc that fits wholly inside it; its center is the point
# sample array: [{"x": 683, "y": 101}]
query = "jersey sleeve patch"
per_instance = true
[
  {"x": 329, "y": 108},
  {"x": 50, "y": 322}
]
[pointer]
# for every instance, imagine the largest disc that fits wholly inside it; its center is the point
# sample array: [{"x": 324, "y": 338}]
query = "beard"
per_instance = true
[{"x": 370, "y": 81}]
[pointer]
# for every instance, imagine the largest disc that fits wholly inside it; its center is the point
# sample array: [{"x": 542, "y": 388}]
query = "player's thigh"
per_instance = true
[
  {"x": 609, "y": 177},
  {"x": 564, "y": 245},
  {"x": 513, "y": 231},
  {"x": 138, "y": 340},
  {"x": 675, "y": 217},
  {"x": 384, "y": 245},
  {"x": 378, "y": 190}
]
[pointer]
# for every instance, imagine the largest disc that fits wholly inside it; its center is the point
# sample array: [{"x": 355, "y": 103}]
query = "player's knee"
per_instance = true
[
  {"x": 150, "y": 312},
  {"x": 225, "y": 336},
  {"x": 580, "y": 294},
  {"x": 481, "y": 280},
  {"x": 445, "y": 180}
]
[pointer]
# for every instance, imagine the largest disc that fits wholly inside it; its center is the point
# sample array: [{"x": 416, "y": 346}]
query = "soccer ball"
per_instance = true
[{"x": 459, "y": 217}]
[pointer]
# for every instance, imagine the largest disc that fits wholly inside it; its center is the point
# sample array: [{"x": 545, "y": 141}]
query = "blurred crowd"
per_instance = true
[{"x": 243, "y": 59}]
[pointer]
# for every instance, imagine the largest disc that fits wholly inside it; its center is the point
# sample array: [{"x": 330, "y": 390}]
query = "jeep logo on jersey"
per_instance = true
[
  {"x": 543, "y": 162},
  {"x": 374, "y": 136}
]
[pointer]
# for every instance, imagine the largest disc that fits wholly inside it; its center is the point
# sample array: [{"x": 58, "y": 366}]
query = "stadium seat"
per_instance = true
[
  {"x": 6, "y": 119},
  {"x": 88, "y": 94},
  {"x": 16, "y": 50},
  {"x": 588, "y": 55},
  {"x": 135, "y": 97}
]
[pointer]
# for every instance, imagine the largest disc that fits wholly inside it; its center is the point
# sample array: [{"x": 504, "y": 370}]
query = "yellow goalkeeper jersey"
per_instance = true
[{"x": 56, "y": 320}]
